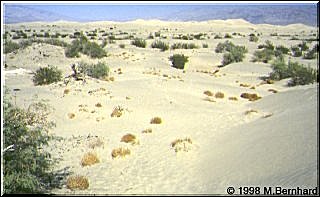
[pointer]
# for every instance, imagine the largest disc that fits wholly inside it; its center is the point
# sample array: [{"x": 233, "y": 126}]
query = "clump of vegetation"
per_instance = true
[
  {"x": 205, "y": 45},
  {"x": 178, "y": 61},
  {"x": 98, "y": 71},
  {"x": 71, "y": 115},
  {"x": 250, "y": 97},
  {"x": 156, "y": 120},
  {"x": 148, "y": 130},
  {"x": 120, "y": 152},
  {"x": 296, "y": 51},
  {"x": 299, "y": 74},
  {"x": 227, "y": 35},
  {"x": 233, "y": 98},
  {"x": 184, "y": 46},
  {"x": 89, "y": 159},
  {"x": 219, "y": 95},
  {"x": 234, "y": 53},
  {"x": 217, "y": 37},
  {"x": 10, "y": 46},
  {"x": 47, "y": 75},
  {"x": 129, "y": 138},
  {"x": 160, "y": 45},
  {"x": 223, "y": 47},
  {"x": 311, "y": 54},
  {"x": 122, "y": 46},
  {"x": 264, "y": 55},
  {"x": 77, "y": 182},
  {"x": 139, "y": 42},
  {"x": 26, "y": 164},
  {"x": 182, "y": 145},
  {"x": 281, "y": 50},
  {"x": 86, "y": 47},
  {"x": 208, "y": 93},
  {"x": 253, "y": 38},
  {"x": 117, "y": 112}
]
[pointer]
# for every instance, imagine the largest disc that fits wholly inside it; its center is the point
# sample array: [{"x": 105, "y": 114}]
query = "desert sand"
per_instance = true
[{"x": 268, "y": 142}]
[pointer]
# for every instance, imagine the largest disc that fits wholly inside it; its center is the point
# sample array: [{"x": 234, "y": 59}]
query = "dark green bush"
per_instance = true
[
  {"x": 47, "y": 75},
  {"x": 26, "y": 164},
  {"x": 299, "y": 74},
  {"x": 235, "y": 54},
  {"x": 281, "y": 50},
  {"x": 184, "y": 46},
  {"x": 10, "y": 46},
  {"x": 226, "y": 46},
  {"x": 303, "y": 46},
  {"x": 178, "y": 61},
  {"x": 227, "y": 35},
  {"x": 217, "y": 37},
  {"x": 264, "y": 55},
  {"x": 311, "y": 54},
  {"x": 139, "y": 42},
  {"x": 205, "y": 45},
  {"x": 253, "y": 38},
  {"x": 98, "y": 71},
  {"x": 160, "y": 45},
  {"x": 296, "y": 51}
]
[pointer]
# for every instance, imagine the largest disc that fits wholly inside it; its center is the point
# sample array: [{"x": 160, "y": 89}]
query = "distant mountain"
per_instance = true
[
  {"x": 20, "y": 13},
  {"x": 257, "y": 14}
]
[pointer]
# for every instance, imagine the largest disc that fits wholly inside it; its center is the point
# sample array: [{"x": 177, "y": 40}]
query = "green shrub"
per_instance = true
[
  {"x": 10, "y": 46},
  {"x": 217, "y": 37},
  {"x": 93, "y": 50},
  {"x": 303, "y": 46},
  {"x": 236, "y": 54},
  {"x": 296, "y": 51},
  {"x": 47, "y": 75},
  {"x": 160, "y": 45},
  {"x": 299, "y": 74},
  {"x": 268, "y": 45},
  {"x": 26, "y": 164},
  {"x": 98, "y": 71},
  {"x": 139, "y": 42},
  {"x": 264, "y": 55},
  {"x": 281, "y": 50},
  {"x": 122, "y": 46},
  {"x": 311, "y": 54},
  {"x": 184, "y": 46},
  {"x": 227, "y": 35},
  {"x": 178, "y": 61},
  {"x": 226, "y": 46},
  {"x": 205, "y": 45},
  {"x": 253, "y": 38}
]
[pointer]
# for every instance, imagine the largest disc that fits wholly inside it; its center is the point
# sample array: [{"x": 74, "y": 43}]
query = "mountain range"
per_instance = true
[{"x": 257, "y": 14}]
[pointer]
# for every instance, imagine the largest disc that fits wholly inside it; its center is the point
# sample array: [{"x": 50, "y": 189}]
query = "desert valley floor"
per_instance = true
[{"x": 224, "y": 140}]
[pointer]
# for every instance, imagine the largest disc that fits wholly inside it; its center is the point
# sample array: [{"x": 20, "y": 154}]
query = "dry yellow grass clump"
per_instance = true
[
  {"x": 66, "y": 91},
  {"x": 77, "y": 182},
  {"x": 244, "y": 85},
  {"x": 233, "y": 98},
  {"x": 219, "y": 95},
  {"x": 120, "y": 152},
  {"x": 117, "y": 111},
  {"x": 251, "y": 97},
  {"x": 89, "y": 159},
  {"x": 98, "y": 105},
  {"x": 129, "y": 138},
  {"x": 208, "y": 93},
  {"x": 156, "y": 120},
  {"x": 149, "y": 130},
  {"x": 182, "y": 145},
  {"x": 250, "y": 111},
  {"x": 273, "y": 90},
  {"x": 71, "y": 115}
]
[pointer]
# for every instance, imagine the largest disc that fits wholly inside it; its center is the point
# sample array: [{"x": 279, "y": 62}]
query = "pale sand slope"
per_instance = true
[{"x": 275, "y": 144}]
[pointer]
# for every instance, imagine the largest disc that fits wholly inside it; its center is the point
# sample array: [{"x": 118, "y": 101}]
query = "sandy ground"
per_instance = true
[{"x": 269, "y": 142}]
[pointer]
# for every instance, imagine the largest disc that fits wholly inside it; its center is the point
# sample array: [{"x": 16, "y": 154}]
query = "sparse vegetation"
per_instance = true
[
  {"x": 98, "y": 71},
  {"x": 219, "y": 95},
  {"x": 253, "y": 38},
  {"x": 160, "y": 45},
  {"x": 139, "y": 42},
  {"x": 178, "y": 61},
  {"x": 117, "y": 111},
  {"x": 47, "y": 75},
  {"x": 156, "y": 120},
  {"x": 129, "y": 138},
  {"x": 89, "y": 159},
  {"x": 184, "y": 46},
  {"x": 250, "y": 96},
  {"x": 208, "y": 93},
  {"x": 182, "y": 145},
  {"x": 77, "y": 182},
  {"x": 265, "y": 55},
  {"x": 120, "y": 152}
]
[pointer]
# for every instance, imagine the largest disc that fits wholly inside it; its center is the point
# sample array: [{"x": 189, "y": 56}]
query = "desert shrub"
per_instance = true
[
  {"x": 93, "y": 50},
  {"x": 205, "y": 45},
  {"x": 182, "y": 145},
  {"x": 129, "y": 138},
  {"x": 160, "y": 45},
  {"x": 47, "y": 75},
  {"x": 226, "y": 46},
  {"x": 122, "y": 46},
  {"x": 227, "y": 35},
  {"x": 264, "y": 55},
  {"x": 26, "y": 164},
  {"x": 139, "y": 42},
  {"x": 89, "y": 159},
  {"x": 311, "y": 54},
  {"x": 268, "y": 45},
  {"x": 178, "y": 61},
  {"x": 120, "y": 152},
  {"x": 77, "y": 182},
  {"x": 281, "y": 50},
  {"x": 150, "y": 36},
  {"x": 10, "y": 46},
  {"x": 303, "y": 46},
  {"x": 217, "y": 37},
  {"x": 117, "y": 111},
  {"x": 253, "y": 38},
  {"x": 184, "y": 46},
  {"x": 300, "y": 74},
  {"x": 208, "y": 93},
  {"x": 236, "y": 54},
  {"x": 219, "y": 95},
  {"x": 98, "y": 71},
  {"x": 296, "y": 51},
  {"x": 156, "y": 120},
  {"x": 250, "y": 97},
  {"x": 157, "y": 34}
]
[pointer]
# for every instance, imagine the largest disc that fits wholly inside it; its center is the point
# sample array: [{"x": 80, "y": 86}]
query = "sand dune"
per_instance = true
[{"x": 221, "y": 142}]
